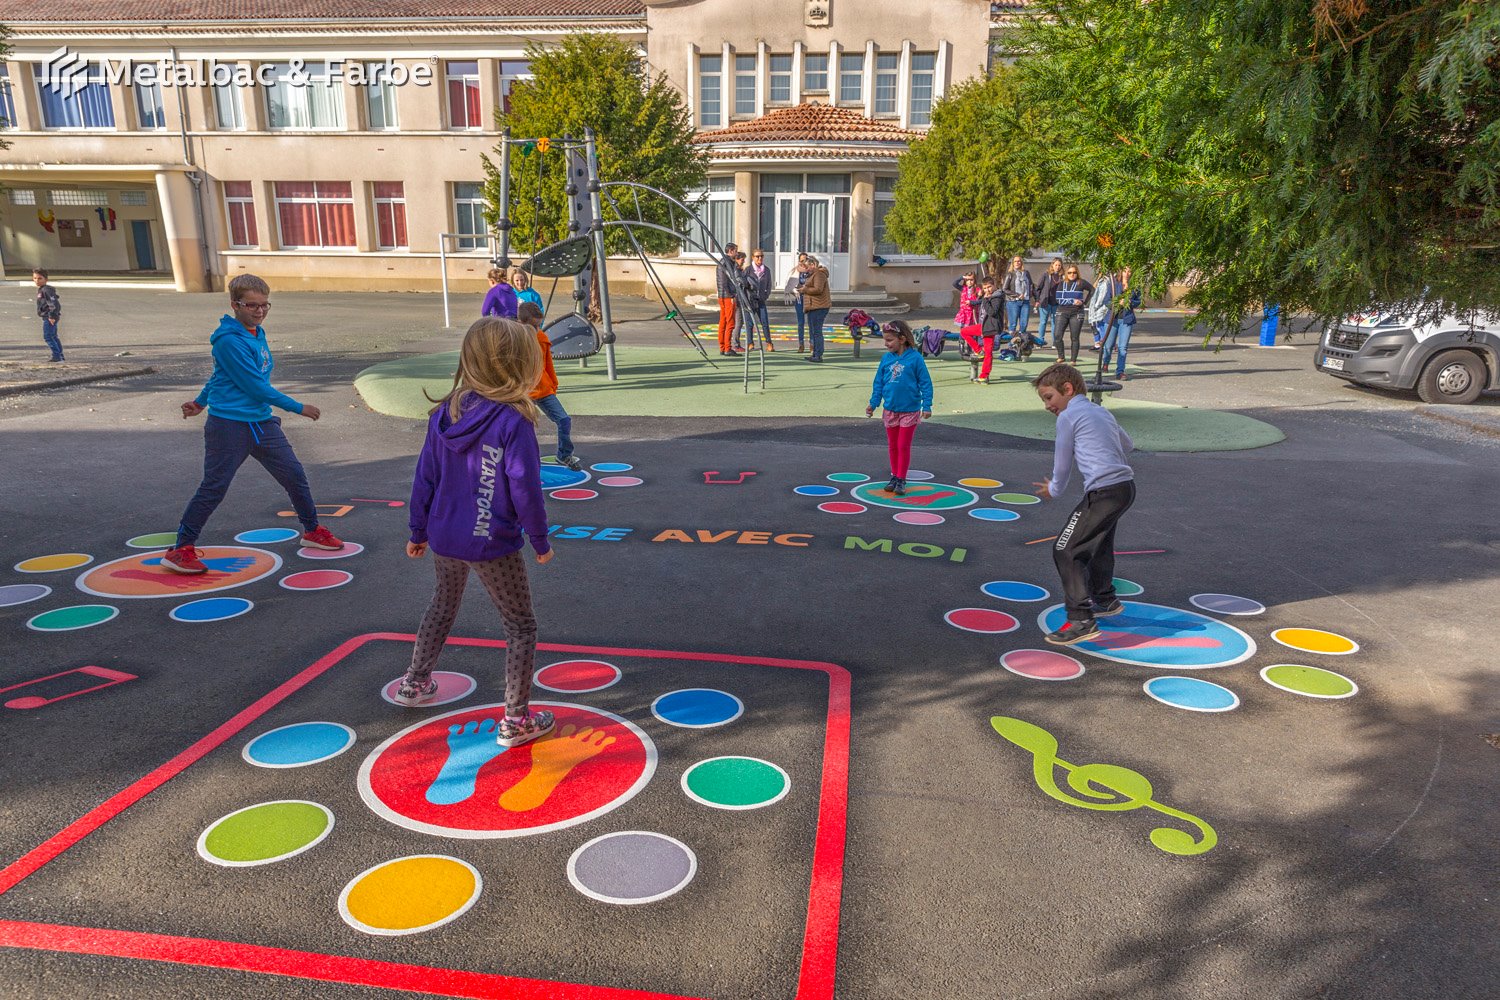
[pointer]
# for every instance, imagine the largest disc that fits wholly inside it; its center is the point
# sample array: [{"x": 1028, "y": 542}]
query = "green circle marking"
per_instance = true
[
  {"x": 76, "y": 617},
  {"x": 1127, "y": 588},
  {"x": 735, "y": 782},
  {"x": 1314, "y": 682},
  {"x": 156, "y": 540},
  {"x": 1016, "y": 498},
  {"x": 848, "y": 477},
  {"x": 261, "y": 834},
  {"x": 925, "y": 495}
]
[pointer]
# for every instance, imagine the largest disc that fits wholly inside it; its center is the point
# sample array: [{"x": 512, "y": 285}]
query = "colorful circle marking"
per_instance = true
[
  {"x": 268, "y": 536},
  {"x": 1153, "y": 635},
  {"x": 1127, "y": 588},
  {"x": 141, "y": 576},
  {"x": 573, "y": 494},
  {"x": 211, "y": 609},
  {"x": 54, "y": 563},
  {"x": 1315, "y": 640},
  {"x": 918, "y": 517},
  {"x": 452, "y": 686},
  {"x": 1013, "y": 590},
  {"x": 349, "y": 549},
  {"x": 980, "y": 483},
  {"x": 410, "y": 895},
  {"x": 986, "y": 620},
  {"x": 446, "y": 775},
  {"x": 919, "y": 496},
  {"x": 577, "y": 676},
  {"x": 848, "y": 477},
  {"x": 612, "y": 467},
  {"x": 1019, "y": 499},
  {"x": 299, "y": 744},
  {"x": 736, "y": 782},
  {"x": 1313, "y": 682},
  {"x": 620, "y": 481},
  {"x": 559, "y": 476},
  {"x": 816, "y": 490},
  {"x": 697, "y": 708},
  {"x": 155, "y": 540},
  {"x": 1192, "y": 694},
  {"x": 632, "y": 867},
  {"x": 261, "y": 834},
  {"x": 918, "y": 476},
  {"x": 1042, "y": 664},
  {"x": 316, "y": 579},
  {"x": 71, "y": 619},
  {"x": 842, "y": 507},
  {"x": 22, "y": 593},
  {"x": 994, "y": 514},
  {"x": 1226, "y": 604}
]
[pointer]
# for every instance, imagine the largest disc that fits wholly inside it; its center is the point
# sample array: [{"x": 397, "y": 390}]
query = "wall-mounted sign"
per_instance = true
[
  {"x": 74, "y": 233},
  {"x": 818, "y": 13}
]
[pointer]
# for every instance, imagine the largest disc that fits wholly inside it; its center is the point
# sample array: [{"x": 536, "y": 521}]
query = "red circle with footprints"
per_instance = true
[{"x": 447, "y": 775}]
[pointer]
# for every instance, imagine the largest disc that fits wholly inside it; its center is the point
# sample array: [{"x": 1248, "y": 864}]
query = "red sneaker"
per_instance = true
[
  {"x": 183, "y": 560},
  {"x": 321, "y": 538}
]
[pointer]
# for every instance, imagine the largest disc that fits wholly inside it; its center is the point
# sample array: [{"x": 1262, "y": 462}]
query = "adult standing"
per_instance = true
[
  {"x": 1118, "y": 287},
  {"x": 817, "y": 299},
  {"x": 726, "y": 277},
  {"x": 1071, "y": 294},
  {"x": 1019, "y": 291},
  {"x": 758, "y": 280},
  {"x": 793, "y": 289},
  {"x": 1045, "y": 302}
]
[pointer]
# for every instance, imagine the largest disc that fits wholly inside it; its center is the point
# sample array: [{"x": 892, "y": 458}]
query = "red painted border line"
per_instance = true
[{"x": 302, "y": 964}]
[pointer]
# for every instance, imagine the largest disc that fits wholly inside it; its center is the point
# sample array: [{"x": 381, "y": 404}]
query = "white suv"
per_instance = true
[{"x": 1448, "y": 360}]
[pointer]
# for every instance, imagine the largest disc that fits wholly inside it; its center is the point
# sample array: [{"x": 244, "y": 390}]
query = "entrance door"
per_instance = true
[
  {"x": 140, "y": 235},
  {"x": 809, "y": 223}
]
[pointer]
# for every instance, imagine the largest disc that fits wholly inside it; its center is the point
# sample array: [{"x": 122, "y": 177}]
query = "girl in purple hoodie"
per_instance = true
[{"x": 475, "y": 500}]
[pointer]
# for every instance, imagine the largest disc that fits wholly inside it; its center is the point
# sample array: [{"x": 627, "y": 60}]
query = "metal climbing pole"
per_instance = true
[
  {"x": 503, "y": 222},
  {"x": 601, "y": 262}
]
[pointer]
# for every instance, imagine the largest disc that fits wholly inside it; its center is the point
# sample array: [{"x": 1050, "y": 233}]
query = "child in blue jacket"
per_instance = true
[{"x": 904, "y": 388}]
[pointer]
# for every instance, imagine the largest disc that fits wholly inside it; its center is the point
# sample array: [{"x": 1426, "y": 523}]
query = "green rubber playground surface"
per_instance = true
[{"x": 677, "y": 382}]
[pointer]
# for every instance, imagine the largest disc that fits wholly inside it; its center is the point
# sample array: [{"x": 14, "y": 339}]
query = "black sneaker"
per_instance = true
[
  {"x": 572, "y": 461},
  {"x": 900, "y": 488},
  {"x": 1114, "y": 607},
  {"x": 1072, "y": 632},
  {"x": 890, "y": 487}
]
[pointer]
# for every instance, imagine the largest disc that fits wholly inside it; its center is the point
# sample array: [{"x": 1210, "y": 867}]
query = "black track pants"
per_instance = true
[{"x": 1085, "y": 551}]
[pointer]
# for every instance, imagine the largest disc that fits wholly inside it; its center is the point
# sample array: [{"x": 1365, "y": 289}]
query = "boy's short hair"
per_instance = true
[
  {"x": 1058, "y": 375},
  {"x": 529, "y": 312},
  {"x": 989, "y": 279},
  {"x": 242, "y": 283},
  {"x": 42, "y": 271},
  {"x": 497, "y": 274}
]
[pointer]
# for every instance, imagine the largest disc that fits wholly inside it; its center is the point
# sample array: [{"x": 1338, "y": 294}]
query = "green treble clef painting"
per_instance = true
[{"x": 1106, "y": 787}]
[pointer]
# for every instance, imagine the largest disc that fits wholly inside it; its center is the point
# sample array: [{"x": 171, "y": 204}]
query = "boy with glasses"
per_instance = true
[{"x": 239, "y": 397}]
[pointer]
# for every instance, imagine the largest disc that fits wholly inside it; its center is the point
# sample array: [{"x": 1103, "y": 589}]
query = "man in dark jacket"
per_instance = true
[{"x": 727, "y": 277}]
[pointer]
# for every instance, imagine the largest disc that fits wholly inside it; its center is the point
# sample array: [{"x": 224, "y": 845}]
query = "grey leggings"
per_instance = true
[{"x": 505, "y": 579}]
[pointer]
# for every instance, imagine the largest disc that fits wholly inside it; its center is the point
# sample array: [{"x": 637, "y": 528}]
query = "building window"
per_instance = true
[
  {"x": 463, "y": 94},
  {"x": 885, "y": 200},
  {"x": 7, "y": 100},
  {"x": 744, "y": 85},
  {"x": 781, "y": 79},
  {"x": 390, "y": 215},
  {"x": 76, "y": 198},
  {"x": 380, "y": 97},
  {"x": 304, "y": 98},
  {"x": 134, "y": 199},
  {"x": 710, "y": 90},
  {"x": 852, "y": 78},
  {"x": 239, "y": 207},
  {"x": 468, "y": 215},
  {"x": 229, "y": 112},
  {"x": 150, "y": 113},
  {"x": 22, "y": 196},
  {"x": 887, "y": 70},
  {"x": 923, "y": 77},
  {"x": 315, "y": 214},
  {"x": 512, "y": 71},
  {"x": 716, "y": 208},
  {"x": 87, "y": 106},
  {"x": 815, "y": 72}
]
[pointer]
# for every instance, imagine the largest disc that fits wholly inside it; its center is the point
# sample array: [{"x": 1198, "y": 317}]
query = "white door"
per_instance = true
[{"x": 808, "y": 223}]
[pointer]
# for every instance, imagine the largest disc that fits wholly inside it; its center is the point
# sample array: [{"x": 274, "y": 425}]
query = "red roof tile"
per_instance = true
[
  {"x": 159, "y": 11},
  {"x": 809, "y": 123}
]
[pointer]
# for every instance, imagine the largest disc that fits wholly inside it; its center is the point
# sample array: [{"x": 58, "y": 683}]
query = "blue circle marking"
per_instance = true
[
  {"x": 211, "y": 609},
  {"x": 299, "y": 744},
  {"x": 267, "y": 536},
  {"x": 1014, "y": 590},
  {"x": 697, "y": 708},
  {"x": 1192, "y": 694},
  {"x": 22, "y": 593},
  {"x": 556, "y": 477},
  {"x": 994, "y": 514},
  {"x": 611, "y": 467},
  {"x": 1153, "y": 635},
  {"x": 817, "y": 491}
]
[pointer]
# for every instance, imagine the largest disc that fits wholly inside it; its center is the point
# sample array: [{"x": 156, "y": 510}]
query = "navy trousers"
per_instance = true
[{"x": 226, "y": 445}]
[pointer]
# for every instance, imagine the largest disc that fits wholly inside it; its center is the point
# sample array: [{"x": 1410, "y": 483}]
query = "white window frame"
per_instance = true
[
  {"x": 246, "y": 204},
  {"x": 704, "y": 75},
  {"x": 785, "y": 75},
  {"x": 448, "y": 77},
  {"x": 510, "y": 79},
  {"x": 153, "y": 90},
  {"x": 7, "y": 100},
  {"x": 857, "y": 75},
  {"x": 923, "y": 118},
  {"x": 317, "y": 199},
  {"x": 382, "y": 90},
  {"x": 229, "y": 97},
  {"x": 889, "y": 76},
  {"x": 808, "y": 73},
  {"x": 299, "y": 98},
  {"x": 383, "y": 203},
  {"x": 720, "y": 191},
  {"x": 746, "y": 75},
  {"x": 96, "y": 77},
  {"x": 477, "y": 240}
]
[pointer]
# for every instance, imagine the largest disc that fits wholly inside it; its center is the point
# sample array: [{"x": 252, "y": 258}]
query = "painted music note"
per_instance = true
[
  {"x": 1106, "y": 787},
  {"x": 324, "y": 510},
  {"x": 110, "y": 678},
  {"x": 708, "y": 478},
  {"x": 388, "y": 503}
]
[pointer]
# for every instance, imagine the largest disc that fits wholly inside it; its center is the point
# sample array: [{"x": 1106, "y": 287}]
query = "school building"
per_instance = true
[{"x": 326, "y": 144}]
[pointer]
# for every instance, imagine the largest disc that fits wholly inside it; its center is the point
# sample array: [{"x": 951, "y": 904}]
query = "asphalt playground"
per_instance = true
[{"x": 818, "y": 748}]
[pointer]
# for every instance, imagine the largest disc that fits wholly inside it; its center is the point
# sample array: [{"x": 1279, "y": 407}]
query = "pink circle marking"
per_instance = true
[
  {"x": 919, "y": 517},
  {"x": 618, "y": 481},
  {"x": 982, "y": 620},
  {"x": 572, "y": 494},
  {"x": 1042, "y": 665},
  {"x": 316, "y": 579},
  {"x": 451, "y": 687},
  {"x": 842, "y": 507},
  {"x": 577, "y": 676},
  {"x": 349, "y": 549}
]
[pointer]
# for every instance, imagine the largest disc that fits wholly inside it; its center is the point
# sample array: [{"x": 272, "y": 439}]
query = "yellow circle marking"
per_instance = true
[
  {"x": 981, "y": 484},
  {"x": 53, "y": 563},
  {"x": 1314, "y": 640},
  {"x": 410, "y": 895}
]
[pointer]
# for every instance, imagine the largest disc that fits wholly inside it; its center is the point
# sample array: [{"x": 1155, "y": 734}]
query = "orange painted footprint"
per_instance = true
[{"x": 552, "y": 761}]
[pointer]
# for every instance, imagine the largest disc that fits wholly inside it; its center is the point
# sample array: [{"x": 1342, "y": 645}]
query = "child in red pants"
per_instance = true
[{"x": 904, "y": 388}]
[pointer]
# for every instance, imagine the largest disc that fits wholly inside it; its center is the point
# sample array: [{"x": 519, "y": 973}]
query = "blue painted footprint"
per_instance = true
[{"x": 470, "y": 747}]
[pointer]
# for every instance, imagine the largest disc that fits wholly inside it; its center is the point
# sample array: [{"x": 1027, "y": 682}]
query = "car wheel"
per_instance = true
[{"x": 1452, "y": 377}]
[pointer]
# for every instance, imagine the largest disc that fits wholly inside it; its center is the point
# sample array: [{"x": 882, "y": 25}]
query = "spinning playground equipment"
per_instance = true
[{"x": 581, "y": 254}]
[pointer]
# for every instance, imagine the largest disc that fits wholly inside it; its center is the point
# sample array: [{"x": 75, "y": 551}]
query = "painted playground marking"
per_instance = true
[
  {"x": 1014, "y": 590},
  {"x": 571, "y": 494},
  {"x": 1314, "y": 640},
  {"x": 560, "y": 476},
  {"x": 919, "y": 496},
  {"x": 73, "y": 618},
  {"x": 266, "y": 536},
  {"x": 619, "y": 481},
  {"x": 141, "y": 576},
  {"x": 918, "y": 476},
  {"x": 736, "y": 783},
  {"x": 54, "y": 563},
  {"x": 1153, "y": 635},
  {"x": 410, "y": 895},
  {"x": 697, "y": 708},
  {"x": 848, "y": 477},
  {"x": 349, "y": 549},
  {"x": 298, "y": 744},
  {"x": 316, "y": 579},
  {"x": 994, "y": 514},
  {"x": 632, "y": 867},
  {"x": 1226, "y": 604},
  {"x": 452, "y": 686},
  {"x": 265, "y": 833},
  {"x": 577, "y": 676},
  {"x": 985, "y": 620},
  {"x": 1192, "y": 694},
  {"x": 22, "y": 593},
  {"x": 842, "y": 507},
  {"x": 1018, "y": 499},
  {"x": 980, "y": 483},
  {"x": 816, "y": 490},
  {"x": 918, "y": 517},
  {"x": 1311, "y": 682},
  {"x": 612, "y": 467},
  {"x": 1127, "y": 588},
  {"x": 211, "y": 609},
  {"x": 93, "y": 673},
  {"x": 155, "y": 540},
  {"x": 1042, "y": 664}
]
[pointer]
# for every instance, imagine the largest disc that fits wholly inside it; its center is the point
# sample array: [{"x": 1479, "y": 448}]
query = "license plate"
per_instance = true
[{"x": 1334, "y": 364}]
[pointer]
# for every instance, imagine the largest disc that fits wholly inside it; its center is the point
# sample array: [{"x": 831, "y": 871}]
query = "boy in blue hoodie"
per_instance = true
[{"x": 239, "y": 397}]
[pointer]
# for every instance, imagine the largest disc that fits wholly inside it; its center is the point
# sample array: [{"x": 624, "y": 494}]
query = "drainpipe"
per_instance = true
[{"x": 195, "y": 177}]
